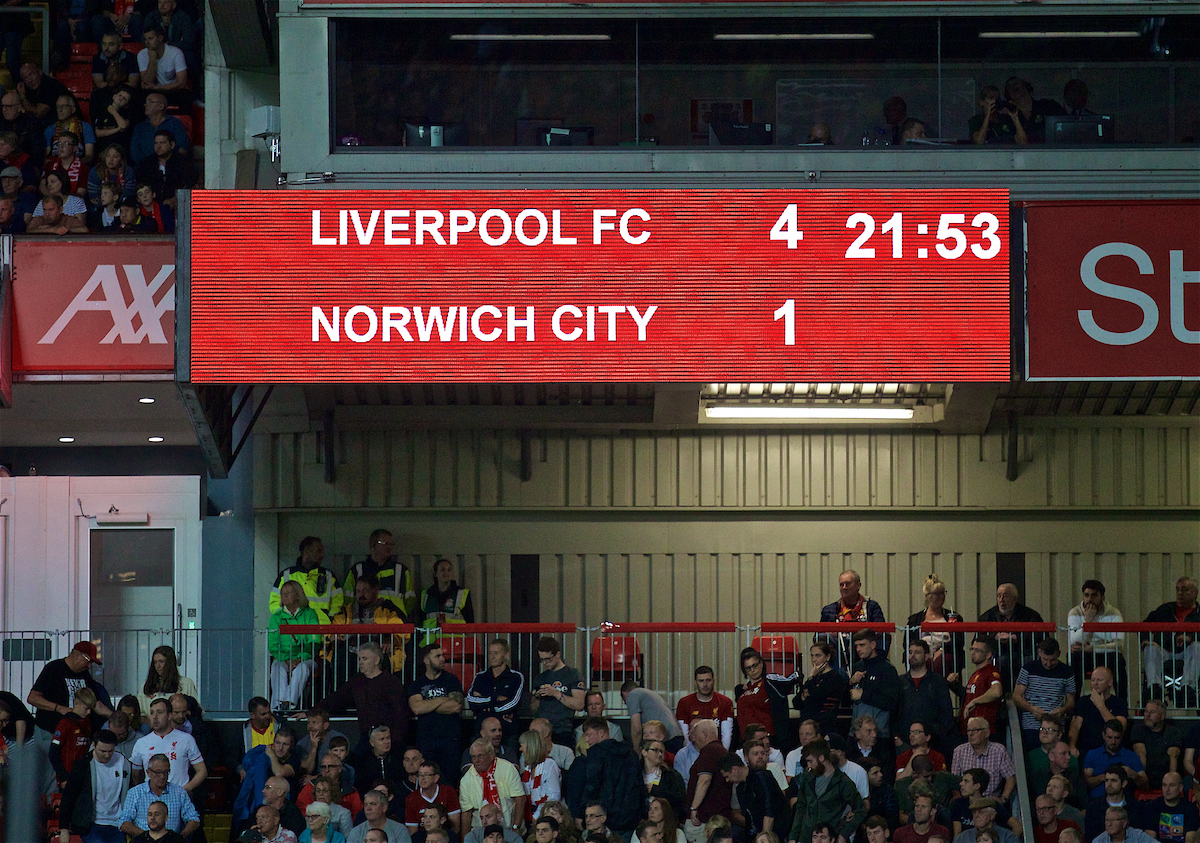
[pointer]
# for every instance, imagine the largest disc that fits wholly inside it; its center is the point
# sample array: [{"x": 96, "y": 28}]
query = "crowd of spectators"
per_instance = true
[
  {"x": 876, "y": 753},
  {"x": 113, "y": 163}
]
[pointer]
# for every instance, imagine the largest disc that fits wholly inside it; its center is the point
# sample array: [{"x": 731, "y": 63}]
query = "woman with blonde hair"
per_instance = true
[
  {"x": 540, "y": 775},
  {"x": 947, "y": 650},
  {"x": 660, "y": 779},
  {"x": 715, "y": 823},
  {"x": 294, "y": 656}
]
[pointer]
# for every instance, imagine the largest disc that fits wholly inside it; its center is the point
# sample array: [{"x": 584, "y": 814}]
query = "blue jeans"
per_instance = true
[{"x": 104, "y": 834}]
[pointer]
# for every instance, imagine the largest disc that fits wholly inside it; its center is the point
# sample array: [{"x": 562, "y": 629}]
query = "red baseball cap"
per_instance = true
[{"x": 88, "y": 649}]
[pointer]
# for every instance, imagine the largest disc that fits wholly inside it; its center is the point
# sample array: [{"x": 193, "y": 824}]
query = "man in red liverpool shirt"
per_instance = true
[
  {"x": 706, "y": 703},
  {"x": 984, "y": 690}
]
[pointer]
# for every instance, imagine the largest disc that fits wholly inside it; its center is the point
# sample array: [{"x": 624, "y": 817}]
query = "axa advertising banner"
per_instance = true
[
  {"x": 599, "y": 285},
  {"x": 1113, "y": 290},
  {"x": 103, "y": 306}
]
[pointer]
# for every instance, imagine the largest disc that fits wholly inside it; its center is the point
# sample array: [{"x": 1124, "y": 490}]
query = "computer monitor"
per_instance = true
[
  {"x": 568, "y": 135},
  {"x": 1086, "y": 130},
  {"x": 728, "y": 133},
  {"x": 435, "y": 134}
]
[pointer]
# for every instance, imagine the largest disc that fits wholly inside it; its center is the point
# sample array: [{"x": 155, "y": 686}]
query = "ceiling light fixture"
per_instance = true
[
  {"x": 808, "y": 412},
  {"x": 1114, "y": 33},
  {"x": 67, "y": 439},
  {"x": 793, "y": 36},
  {"x": 145, "y": 400},
  {"x": 155, "y": 439},
  {"x": 561, "y": 36}
]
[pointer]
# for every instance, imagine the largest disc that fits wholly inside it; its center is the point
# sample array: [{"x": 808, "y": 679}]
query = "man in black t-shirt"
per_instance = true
[
  {"x": 111, "y": 52},
  {"x": 1170, "y": 817},
  {"x": 436, "y": 698},
  {"x": 558, "y": 691},
  {"x": 53, "y": 692}
]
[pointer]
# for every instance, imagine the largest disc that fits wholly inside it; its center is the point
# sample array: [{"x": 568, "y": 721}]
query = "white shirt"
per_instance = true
[
  {"x": 179, "y": 747},
  {"x": 563, "y": 756},
  {"x": 793, "y": 765},
  {"x": 169, "y": 66},
  {"x": 106, "y": 789},
  {"x": 548, "y": 787},
  {"x": 858, "y": 775},
  {"x": 1098, "y": 640}
]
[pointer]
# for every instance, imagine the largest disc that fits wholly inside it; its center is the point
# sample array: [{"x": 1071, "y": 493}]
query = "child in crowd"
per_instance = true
[{"x": 108, "y": 215}]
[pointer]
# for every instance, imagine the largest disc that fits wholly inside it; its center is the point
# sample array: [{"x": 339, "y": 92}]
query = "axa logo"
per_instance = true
[{"x": 142, "y": 310}]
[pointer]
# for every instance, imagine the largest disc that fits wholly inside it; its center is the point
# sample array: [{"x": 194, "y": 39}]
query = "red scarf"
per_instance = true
[
  {"x": 491, "y": 793},
  {"x": 856, "y": 613}
]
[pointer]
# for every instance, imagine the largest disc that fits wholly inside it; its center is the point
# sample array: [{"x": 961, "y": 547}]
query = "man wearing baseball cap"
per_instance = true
[
  {"x": 53, "y": 693},
  {"x": 11, "y": 183}
]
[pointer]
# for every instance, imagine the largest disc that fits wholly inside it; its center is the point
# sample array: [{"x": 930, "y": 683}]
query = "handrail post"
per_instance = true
[{"x": 1022, "y": 808}]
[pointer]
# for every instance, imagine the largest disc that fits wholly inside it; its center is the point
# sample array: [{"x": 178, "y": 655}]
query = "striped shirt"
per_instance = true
[
  {"x": 1045, "y": 689},
  {"x": 180, "y": 809}
]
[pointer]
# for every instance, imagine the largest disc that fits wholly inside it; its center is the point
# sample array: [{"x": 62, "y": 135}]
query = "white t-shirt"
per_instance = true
[
  {"x": 169, "y": 66},
  {"x": 858, "y": 775},
  {"x": 106, "y": 789},
  {"x": 179, "y": 747}
]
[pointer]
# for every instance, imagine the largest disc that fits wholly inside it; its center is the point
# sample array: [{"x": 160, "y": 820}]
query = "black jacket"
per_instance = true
[
  {"x": 613, "y": 776},
  {"x": 672, "y": 788},
  {"x": 78, "y": 807}
]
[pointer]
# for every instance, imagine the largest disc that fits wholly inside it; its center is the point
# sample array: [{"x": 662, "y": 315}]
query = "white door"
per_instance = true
[
  {"x": 142, "y": 588},
  {"x": 48, "y": 536}
]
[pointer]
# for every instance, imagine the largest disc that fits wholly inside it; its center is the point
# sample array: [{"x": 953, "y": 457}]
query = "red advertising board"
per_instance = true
[
  {"x": 599, "y": 286},
  {"x": 1113, "y": 291},
  {"x": 94, "y": 306}
]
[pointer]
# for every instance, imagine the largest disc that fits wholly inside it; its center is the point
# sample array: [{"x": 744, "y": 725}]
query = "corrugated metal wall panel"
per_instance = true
[
  {"x": 1134, "y": 582},
  {"x": 1062, "y": 467},
  {"x": 748, "y": 588}
]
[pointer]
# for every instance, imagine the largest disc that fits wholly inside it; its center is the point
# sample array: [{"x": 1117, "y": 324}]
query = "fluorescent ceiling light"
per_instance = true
[
  {"x": 145, "y": 400},
  {"x": 66, "y": 439},
  {"x": 786, "y": 412},
  {"x": 155, "y": 439},
  {"x": 793, "y": 36},
  {"x": 564, "y": 36},
  {"x": 1116, "y": 33}
]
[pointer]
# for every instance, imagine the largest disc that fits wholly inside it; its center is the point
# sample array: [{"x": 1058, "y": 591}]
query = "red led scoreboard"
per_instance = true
[{"x": 598, "y": 285}]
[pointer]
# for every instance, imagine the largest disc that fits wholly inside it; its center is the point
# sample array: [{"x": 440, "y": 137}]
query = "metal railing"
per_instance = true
[
  {"x": 223, "y": 663},
  {"x": 231, "y": 665}
]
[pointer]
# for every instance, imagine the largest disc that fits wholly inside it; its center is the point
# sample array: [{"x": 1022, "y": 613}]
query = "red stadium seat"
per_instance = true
[
  {"x": 464, "y": 672},
  {"x": 616, "y": 658},
  {"x": 84, "y": 49},
  {"x": 460, "y": 649},
  {"x": 186, "y": 120},
  {"x": 780, "y": 653}
]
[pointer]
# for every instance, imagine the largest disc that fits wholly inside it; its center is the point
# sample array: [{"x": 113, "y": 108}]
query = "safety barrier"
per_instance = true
[
  {"x": 222, "y": 662},
  {"x": 231, "y": 665}
]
